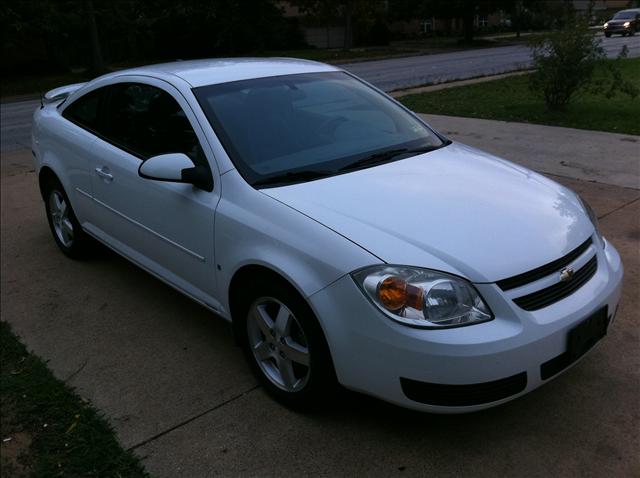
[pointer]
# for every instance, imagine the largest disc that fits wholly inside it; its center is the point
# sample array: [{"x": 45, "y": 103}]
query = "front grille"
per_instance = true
[
  {"x": 463, "y": 395},
  {"x": 549, "y": 295},
  {"x": 545, "y": 270}
]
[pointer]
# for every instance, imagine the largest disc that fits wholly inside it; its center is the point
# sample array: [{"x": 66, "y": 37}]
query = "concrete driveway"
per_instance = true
[{"x": 170, "y": 379}]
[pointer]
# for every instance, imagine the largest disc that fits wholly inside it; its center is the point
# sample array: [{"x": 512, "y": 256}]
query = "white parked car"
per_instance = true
[{"x": 346, "y": 240}]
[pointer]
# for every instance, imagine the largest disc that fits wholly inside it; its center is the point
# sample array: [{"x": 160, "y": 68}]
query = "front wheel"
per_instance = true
[
  {"x": 608, "y": 35},
  {"x": 286, "y": 348}
]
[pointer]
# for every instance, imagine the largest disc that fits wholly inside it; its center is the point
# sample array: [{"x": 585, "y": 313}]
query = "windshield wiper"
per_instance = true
[
  {"x": 385, "y": 156},
  {"x": 293, "y": 177}
]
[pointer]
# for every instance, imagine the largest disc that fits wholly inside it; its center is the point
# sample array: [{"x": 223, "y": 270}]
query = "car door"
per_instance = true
[
  {"x": 76, "y": 146},
  {"x": 165, "y": 227}
]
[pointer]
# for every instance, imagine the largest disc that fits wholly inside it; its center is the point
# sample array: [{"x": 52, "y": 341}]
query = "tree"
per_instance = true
[
  {"x": 46, "y": 36},
  {"x": 40, "y": 35},
  {"x": 96, "y": 65}
]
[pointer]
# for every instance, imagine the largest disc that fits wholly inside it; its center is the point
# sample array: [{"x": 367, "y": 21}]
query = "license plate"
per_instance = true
[{"x": 586, "y": 334}]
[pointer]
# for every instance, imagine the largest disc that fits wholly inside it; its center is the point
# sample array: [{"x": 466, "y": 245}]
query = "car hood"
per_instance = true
[{"x": 455, "y": 209}]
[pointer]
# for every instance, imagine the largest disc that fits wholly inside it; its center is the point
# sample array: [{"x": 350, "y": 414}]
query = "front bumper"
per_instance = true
[
  {"x": 372, "y": 353},
  {"x": 618, "y": 29}
]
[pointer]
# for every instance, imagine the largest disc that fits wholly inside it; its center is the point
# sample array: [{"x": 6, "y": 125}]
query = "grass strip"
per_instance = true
[
  {"x": 48, "y": 430},
  {"x": 509, "y": 99}
]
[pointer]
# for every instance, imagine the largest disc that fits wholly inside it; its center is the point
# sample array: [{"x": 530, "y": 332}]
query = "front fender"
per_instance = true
[{"x": 252, "y": 228}]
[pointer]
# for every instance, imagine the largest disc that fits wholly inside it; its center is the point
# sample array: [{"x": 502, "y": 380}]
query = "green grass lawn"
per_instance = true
[
  {"x": 47, "y": 430},
  {"x": 510, "y": 99}
]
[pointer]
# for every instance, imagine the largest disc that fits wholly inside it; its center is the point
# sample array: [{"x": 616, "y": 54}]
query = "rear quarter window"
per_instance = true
[{"x": 84, "y": 111}]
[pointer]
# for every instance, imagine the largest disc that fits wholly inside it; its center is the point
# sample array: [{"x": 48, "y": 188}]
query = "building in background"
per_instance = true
[
  {"x": 326, "y": 33},
  {"x": 489, "y": 21}
]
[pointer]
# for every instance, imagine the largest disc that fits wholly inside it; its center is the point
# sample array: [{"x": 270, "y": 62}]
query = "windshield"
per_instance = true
[
  {"x": 624, "y": 16},
  {"x": 294, "y": 126}
]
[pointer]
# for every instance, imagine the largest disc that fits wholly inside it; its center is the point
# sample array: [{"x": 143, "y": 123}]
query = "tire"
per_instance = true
[
  {"x": 285, "y": 345},
  {"x": 608, "y": 35},
  {"x": 64, "y": 225}
]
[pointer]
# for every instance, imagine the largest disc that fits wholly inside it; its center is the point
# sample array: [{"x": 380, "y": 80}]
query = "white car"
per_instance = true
[{"x": 346, "y": 240}]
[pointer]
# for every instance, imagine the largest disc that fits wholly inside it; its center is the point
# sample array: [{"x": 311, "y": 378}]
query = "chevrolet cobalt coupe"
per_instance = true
[{"x": 345, "y": 240}]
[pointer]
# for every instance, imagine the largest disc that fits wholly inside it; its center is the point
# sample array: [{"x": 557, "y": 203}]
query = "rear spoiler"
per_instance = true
[{"x": 60, "y": 93}]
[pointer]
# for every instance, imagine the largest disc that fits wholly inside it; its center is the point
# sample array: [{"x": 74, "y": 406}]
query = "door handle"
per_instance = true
[{"x": 104, "y": 173}]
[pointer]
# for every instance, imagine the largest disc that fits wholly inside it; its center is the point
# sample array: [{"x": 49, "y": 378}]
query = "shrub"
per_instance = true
[{"x": 565, "y": 62}]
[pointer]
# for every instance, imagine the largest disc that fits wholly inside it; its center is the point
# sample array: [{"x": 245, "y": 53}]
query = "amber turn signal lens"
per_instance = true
[
  {"x": 415, "y": 297},
  {"x": 395, "y": 294},
  {"x": 392, "y": 292}
]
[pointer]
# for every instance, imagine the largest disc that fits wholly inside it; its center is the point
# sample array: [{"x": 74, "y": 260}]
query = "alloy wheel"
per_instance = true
[
  {"x": 278, "y": 344},
  {"x": 62, "y": 225}
]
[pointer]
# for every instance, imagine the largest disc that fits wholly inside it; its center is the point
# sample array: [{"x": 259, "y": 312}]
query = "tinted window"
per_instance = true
[
  {"x": 296, "y": 123},
  {"x": 624, "y": 16},
  {"x": 84, "y": 111},
  {"x": 148, "y": 121}
]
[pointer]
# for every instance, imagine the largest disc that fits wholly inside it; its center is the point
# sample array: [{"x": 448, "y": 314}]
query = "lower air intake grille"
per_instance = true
[
  {"x": 549, "y": 295},
  {"x": 463, "y": 395}
]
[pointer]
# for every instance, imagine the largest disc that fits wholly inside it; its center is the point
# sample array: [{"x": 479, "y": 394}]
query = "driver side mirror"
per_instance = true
[{"x": 176, "y": 168}]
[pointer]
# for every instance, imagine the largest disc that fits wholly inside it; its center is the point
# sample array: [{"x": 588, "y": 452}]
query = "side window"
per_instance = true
[
  {"x": 148, "y": 121},
  {"x": 84, "y": 111}
]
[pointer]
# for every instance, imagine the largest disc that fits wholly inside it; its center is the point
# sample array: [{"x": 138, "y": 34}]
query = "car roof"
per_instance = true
[
  {"x": 224, "y": 70},
  {"x": 634, "y": 10}
]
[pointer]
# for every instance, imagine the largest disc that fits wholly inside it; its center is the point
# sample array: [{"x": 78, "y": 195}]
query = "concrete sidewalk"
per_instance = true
[{"x": 177, "y": 390}]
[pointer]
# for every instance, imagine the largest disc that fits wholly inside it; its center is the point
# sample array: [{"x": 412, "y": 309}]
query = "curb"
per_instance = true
[{"x": 454, "y": 83}]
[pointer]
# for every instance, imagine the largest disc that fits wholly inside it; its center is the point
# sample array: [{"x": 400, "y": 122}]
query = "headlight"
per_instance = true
[
  {"x": 422, "y": 297},
  {"x": 627, "y": 24},
  {"x": 592, "y": 216},
  {"x": 606, "y": 25}
]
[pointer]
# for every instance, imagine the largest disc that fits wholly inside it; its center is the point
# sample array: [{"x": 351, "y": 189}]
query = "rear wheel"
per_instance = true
[
  {"x": 285, "y": 346},
  {"x": 64, "y": 225}
]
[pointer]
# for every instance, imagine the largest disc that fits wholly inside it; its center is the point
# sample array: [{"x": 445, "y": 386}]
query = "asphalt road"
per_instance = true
[
  {"x": 15, "y": 125},
  {"x": 400, "y": 73},
  {"x": 388, "y": 75}
]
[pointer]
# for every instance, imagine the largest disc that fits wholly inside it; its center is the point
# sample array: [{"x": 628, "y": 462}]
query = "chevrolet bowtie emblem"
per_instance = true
[{"x": 566, "y": 274}]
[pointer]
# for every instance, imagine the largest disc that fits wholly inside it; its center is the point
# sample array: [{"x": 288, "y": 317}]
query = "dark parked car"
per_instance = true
[{"x": 625, "y": 22}]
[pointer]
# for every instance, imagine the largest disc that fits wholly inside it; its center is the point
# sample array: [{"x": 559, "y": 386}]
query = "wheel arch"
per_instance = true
[
  {"x": 248, "y": 273},
  {"x": 243, "y": 278},
  {"x": 45, "y": 175},
  {"x": 52, "y": 169}
]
